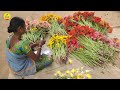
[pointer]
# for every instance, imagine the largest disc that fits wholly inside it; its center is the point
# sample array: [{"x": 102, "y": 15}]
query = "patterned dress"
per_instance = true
[{"x": 23, "y": 47}]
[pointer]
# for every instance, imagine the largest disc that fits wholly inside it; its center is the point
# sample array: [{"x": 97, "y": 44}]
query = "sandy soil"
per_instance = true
[{"x": 113, "y": 17}]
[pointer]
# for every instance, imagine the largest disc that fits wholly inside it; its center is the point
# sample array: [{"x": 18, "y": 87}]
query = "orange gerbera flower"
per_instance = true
[
  {"x": 102, "y": 22},
  {"x": 110, "y": 30},
  {"x": 43, "y": 18}
]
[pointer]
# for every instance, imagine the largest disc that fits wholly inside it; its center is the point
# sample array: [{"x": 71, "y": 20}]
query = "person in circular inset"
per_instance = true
[{"x": 21, "y": 59}]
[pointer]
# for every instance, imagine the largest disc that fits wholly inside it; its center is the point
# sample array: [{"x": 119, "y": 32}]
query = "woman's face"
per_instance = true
[{"x": 22, "y": 30}]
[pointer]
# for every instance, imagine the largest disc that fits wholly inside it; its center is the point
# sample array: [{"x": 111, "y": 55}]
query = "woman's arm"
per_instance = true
[
  {"x": 34, "y": 56},
  {"x": 33, "y": 45}
]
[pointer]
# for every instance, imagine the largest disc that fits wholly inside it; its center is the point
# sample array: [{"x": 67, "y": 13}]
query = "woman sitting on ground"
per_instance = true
[{"x": 21, "y": 58}]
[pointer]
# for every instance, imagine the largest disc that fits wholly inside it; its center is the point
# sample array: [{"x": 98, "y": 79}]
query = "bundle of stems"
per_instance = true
[
  {"x": 57, "y": 28},
  {"x": 94, "y": 53}
]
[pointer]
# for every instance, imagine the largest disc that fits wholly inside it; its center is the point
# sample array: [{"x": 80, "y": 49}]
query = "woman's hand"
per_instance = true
[
  {"x": 34, "y": 56},
  {"x": 41, "y": 43}
]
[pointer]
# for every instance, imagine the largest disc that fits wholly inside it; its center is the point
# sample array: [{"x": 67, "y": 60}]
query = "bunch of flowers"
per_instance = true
[
  {"x": 57, "y": 44},
  {"x": 32, "y": 25},
  {"x": 50, "y": 18},
  {"x": 78, "y": 30},
  {"x": 94, "y": 53},
  {"x": 95, "y": 22},
  {"x": 34, "y": 37},
  {"x": 68, "y": 24},
  {"x": 81, "y": 45},
  {"x": 115, "y": 42},
  {"x": 57, "y": 28},
  {"x": 87, "y": 19},
  {"x": 35, "y": 30},
  {"x": 81, "y": 30},
  {"x": 72, "y": 44},
  {"x": 73, "y": 74},
  {"x": 58, "y": 36},
  {"x": 97, "y": 36},
  {"x": 56, "y": 24}
]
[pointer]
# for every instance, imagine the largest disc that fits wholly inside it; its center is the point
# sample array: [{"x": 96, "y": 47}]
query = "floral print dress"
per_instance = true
[{"x": 23, "y": 47}]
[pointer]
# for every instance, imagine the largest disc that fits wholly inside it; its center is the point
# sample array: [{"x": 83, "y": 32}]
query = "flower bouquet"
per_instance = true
[
  {"x": 58, "y": 36},
  {"x": 89, "y": 46},
  {"x": 94, "y": 53},
  {"x": 56, "y": 26},
  {"x": 87, "y": 19},
  {"x": 50, "y": 18},
  {"x": 57, "y": 44},
  {"x": 36, "y": 30}
]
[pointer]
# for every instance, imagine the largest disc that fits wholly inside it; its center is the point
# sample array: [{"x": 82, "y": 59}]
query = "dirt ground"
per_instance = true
[{"x": 108, "y": 72}]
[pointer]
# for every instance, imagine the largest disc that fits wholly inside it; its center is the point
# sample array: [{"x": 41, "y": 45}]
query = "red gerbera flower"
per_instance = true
[
  {"x": 82, "y": 47},
  {"x": 87, "y": 14},
  {"x": 96, "y": 19},
  {"x": 60, "y": 21}
]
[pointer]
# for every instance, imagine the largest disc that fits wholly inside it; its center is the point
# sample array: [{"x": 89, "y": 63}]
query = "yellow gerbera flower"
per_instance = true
[
  {"x": 58, "y": 73},
  {"x": 50, "y": 15},
  {"x": 56, "y": 18},
  {"x": 59, "y": 17},
  {"x": 67, "y": 72},
  {"x": 88, "y": 76},
  {"x": 73, "y": 70},
  {"x": 70, "y": 61},
  {"x": 78, "y": 77},
  {"x": 81, "y": 76},
  {"x": 71, "y": 75},
  {"x": 33, "y": 29}
]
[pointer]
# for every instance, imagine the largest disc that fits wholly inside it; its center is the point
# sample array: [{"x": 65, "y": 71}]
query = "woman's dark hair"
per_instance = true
[{"x": 15, "y": 23}]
